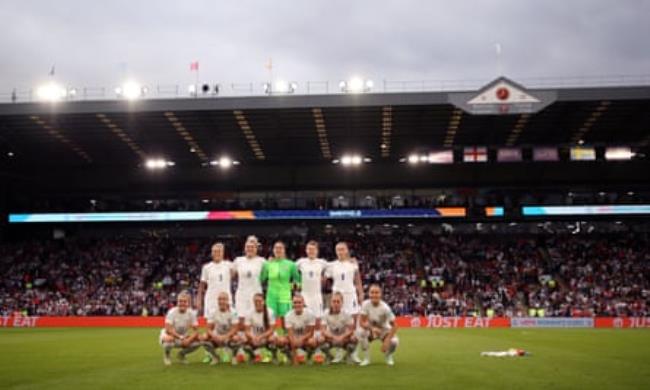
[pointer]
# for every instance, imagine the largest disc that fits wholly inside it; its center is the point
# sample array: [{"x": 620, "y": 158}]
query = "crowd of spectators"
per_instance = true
[
  {"x": 331, "y": 200},
  {"x": 422, "y": 274}
]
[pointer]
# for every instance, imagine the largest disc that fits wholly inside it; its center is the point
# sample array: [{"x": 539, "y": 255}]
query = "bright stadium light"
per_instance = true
[
  {"x": 356, "y": 85},
  {"x": 413, "y": 159},
  {"x": 351, "y": 160},
  {"x": 224, "y": 162},
  {"x": 618, "y": 153},
  {"x": 280, "y": 86},
  {"x": 158, "y": 163},
  {"x": 131, "y": 90},
  {"x": 51, "y": 92}
]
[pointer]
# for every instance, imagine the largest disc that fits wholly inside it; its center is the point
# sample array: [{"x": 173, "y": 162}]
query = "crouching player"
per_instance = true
[
  {"x": 259, "y": 330},
  {"x": 338, "y": 331},
  {"x": 223, "y": 326},
  {"x": 181, "y": 325},
  {"x": 377, "y": 322},
  {"x": 300, "y": 323}
]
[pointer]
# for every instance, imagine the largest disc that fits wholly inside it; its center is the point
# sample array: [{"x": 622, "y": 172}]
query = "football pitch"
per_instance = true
[{"x": 103, "y": 358}]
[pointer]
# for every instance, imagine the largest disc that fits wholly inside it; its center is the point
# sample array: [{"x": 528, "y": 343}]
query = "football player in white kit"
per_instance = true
[
  {"x": 259, "y": 329},
  {"x": 215, "y": 277},
  {"x": 180, "y": 331},
  {"x": 222, "y": 328},
  {"x": 300, "y": 323},
  {"x": 312, "y": 270},
  {"x": 346, "y": 279},
  {"x": 248, "y": 269},
  {"x": 338, "y": 330},
  {"x": 377, "y": 322}
]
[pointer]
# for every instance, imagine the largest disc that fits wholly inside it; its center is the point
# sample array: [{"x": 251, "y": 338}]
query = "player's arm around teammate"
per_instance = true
[{"x": 357, "y": 281}]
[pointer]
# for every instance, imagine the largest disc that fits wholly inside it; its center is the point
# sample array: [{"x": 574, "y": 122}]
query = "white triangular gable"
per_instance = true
[{"x": 494, "y": 94}]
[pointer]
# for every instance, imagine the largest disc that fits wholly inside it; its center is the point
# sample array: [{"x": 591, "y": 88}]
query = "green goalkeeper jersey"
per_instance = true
[{"x": 280, "y": 275}]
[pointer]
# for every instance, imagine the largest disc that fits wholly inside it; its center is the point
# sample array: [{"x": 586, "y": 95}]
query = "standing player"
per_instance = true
[
  {"x": 259, "y": 328},
  {"x": 215, "y": 276},
  {"x": 338, "y": 330},
  {"x": 346, "y": 279},
  {"x": 300, "y": 324},
  {"x": 181, "y": 325},
  {"x": 311, "y": 274},
  {"x": 280, "y": 273},
  {"x": 223, "y": 326},
  {"x": 248, "y": 269},
  {"x": 377, "y": 322}
]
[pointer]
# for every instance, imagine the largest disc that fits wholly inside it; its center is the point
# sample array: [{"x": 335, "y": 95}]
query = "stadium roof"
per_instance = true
[{"x": 301, "y": 130}]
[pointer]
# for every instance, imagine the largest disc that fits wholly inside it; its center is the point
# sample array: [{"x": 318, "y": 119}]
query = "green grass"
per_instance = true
[{"x": 427, "y": 359}]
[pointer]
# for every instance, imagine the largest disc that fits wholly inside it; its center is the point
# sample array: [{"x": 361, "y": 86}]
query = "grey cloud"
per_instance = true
[{"x": 318, "y": 40}]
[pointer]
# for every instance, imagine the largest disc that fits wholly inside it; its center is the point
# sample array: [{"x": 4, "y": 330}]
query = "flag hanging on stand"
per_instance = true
[
  {"x": 545, "y": 154},
  {"x": 618, "y": 153},
  {"x": 582, "y": 153},
  {"x": 509, "y": 155},
  {"x": 441, "y": 157},
  {"x": 475, "y": 154}
]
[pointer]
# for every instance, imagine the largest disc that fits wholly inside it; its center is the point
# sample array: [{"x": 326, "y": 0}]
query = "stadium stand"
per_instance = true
[{"x": 450, "y": 275}]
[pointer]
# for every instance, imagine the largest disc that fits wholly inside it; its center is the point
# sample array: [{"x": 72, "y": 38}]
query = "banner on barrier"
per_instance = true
[
  {"x": 622, "y": 322},
  {"x": 452, "y": 322},
  {"x": 157, "y": 322},
  {"x": 552, "y": 322},
  {"x": 438, "y": 322}
]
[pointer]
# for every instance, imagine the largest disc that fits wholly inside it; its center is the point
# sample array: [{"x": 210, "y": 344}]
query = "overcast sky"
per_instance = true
[{"x": 97, "y": 43}]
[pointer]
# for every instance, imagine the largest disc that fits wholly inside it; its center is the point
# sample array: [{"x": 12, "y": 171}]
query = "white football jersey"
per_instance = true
[
  {"x": 248, "y": 274},
  {"x": 299, "y": 322},
  {"x": 181, "y": 322},
  {"x": 256, "y": 321},
  {"x": 379, "y": 316},
  {"x": 217, "y": 277},
  {"x": 342, "y": 274},
  {"x": 223, "y": 320},
  {"x": 339, "y": 322},
  {"x": 311, "y": 274}
]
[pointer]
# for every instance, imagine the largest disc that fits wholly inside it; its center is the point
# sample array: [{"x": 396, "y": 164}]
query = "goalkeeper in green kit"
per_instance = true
[{"x": 280, "y": 274}]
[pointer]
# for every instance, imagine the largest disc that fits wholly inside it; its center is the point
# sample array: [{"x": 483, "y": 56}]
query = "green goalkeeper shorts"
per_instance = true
[{"x": 280, "y": 309}]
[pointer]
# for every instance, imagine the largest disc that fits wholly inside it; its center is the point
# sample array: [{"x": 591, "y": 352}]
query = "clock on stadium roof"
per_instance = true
[{"x": 502, "y": 97}]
